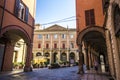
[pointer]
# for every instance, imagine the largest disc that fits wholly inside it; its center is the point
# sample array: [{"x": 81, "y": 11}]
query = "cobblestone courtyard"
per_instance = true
[{"x": 68, "y": 73}]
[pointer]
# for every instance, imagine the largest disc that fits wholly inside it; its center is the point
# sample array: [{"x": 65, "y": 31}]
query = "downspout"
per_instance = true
[{"x": 2, "y": 17}]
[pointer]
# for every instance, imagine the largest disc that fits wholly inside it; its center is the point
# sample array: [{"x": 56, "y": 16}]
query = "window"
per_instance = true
[
  {"x": 55, "y": 45},
  {"x": 89, "y": 17},
  {"x": 39, "y": 36},
  {"x": 47, "y": 36},
  {"x": 21, "y": 11},
  {"x": 47, "y": 45},
  {"x": 63, "y": 46},
  {"x": 72, "y": 45},
  {"x": 39, "y": 45},
  {"x": 55, "y": 36},
  {"x": 63, "y": 36},
  {"x": 38, "y": 54},
  {"x": 46, "y": 54},
  {"x": 71, "y": 36}
]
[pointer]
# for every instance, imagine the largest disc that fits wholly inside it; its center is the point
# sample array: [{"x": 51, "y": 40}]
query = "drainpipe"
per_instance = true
[{"x": 2, "y": 17}]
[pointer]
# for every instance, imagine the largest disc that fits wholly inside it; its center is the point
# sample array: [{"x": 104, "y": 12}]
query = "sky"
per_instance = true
[{"x": 48, "y": 11}]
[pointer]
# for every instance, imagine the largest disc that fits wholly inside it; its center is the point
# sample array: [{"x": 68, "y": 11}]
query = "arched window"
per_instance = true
[
  {"x": 47, "y": 54},
  {"x": 38, "y": 54},
  {"x": 63, "y": 57}
]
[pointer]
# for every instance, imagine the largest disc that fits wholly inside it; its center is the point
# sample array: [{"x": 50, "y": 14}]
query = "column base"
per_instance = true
[
  {"x": 80, "y": 71},
  {"x": 27, "y": 69}
]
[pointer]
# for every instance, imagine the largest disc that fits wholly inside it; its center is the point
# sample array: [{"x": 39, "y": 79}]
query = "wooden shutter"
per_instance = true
[
  {"x": 26, "y": 14},
  {"x": 17, "y": 7},
  {"x": 87, "y": 16},
  {"x": 55, "y": 45},
  {"x": 39, "y": 45},
  {"x": 92, "y": 17},
  {"x": 63, "y": 46},
  {"x": 47, "y": 45}
]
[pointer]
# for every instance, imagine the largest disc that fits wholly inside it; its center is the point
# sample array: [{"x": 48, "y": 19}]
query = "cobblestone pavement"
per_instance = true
[{"x": 68, "y": 73}]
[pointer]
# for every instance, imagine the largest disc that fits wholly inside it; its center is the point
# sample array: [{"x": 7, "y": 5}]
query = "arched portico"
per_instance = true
[
  {"x": 72, "y": 58},
  {"x": 55, "y": 57},
  {"x": 9, "y": 36},
  {"x": 64, "y": 57},
  {"x": 92, "y": 41}
]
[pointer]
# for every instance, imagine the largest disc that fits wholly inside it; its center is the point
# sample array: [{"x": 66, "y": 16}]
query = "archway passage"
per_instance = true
[
  {"x": 19, "y": 55},
  {"x": 9, "y": 44},
  {"x": 55, "y": 57},
  {"x": 47, "y": 56},
  {"x": 92, "y": 43},
  {"x": 72, "y": 58},
  {"x": 64, "y": 57}
]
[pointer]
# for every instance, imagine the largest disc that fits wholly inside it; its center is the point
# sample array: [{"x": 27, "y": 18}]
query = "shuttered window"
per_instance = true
[
  {"x": 47, "y": 45},
  {"x": 26, "y": 14},
  {"x": 63, "y": 46},
  {"x": 17, "y": 7},
  {"x": 39, "y": 45},
  {"x": 21, "y": 11},
  {"x": 55, "y": 45},
  {"x": 90, "y": 17}
]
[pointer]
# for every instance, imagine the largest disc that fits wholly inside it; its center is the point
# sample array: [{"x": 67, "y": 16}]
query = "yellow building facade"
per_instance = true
[{"x": 55, "y": 44}]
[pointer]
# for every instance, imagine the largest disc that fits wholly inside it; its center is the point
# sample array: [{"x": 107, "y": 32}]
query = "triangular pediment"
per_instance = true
[{"x": 56, "y": 28}]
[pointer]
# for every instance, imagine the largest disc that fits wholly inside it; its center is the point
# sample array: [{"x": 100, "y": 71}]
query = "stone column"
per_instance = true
[
  {"x": 110, "y": 26},
  {"x": 8, "y": 57},
  {"x": 59, "y": 55},
  {"x": 51, "y": 57},
  {"x": 90, "y": 59},
  {"x": 80, "y": 71},
  {"x": 43, "y": 44},
  {"x": 59, "y": 46},
  {"x": 87, "y": 58},
  {"x": 68, "y": 52},
  {"x": 110, "y": 54},
  {"x": 28, "y": 67}
]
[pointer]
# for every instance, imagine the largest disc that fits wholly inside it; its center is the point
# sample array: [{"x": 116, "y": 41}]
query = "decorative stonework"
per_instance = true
[{"x": 55, "y": 28}]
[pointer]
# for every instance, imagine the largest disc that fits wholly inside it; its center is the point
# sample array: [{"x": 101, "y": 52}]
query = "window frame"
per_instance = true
[
  {"x": 71, "y": 36},
  {"x": 47, "y": 45},
  {"x": 55, "y": 45},
  {"x": 21, "y": 11},
  {"x": 90, "y": 17},
  {"x": 39, "y": 36},
  {"x": 47, "y": 36},
  {"x": 39, "y": 45},
  {"x": 63, "y": 36},
  {"x": 55, "y": 36}
]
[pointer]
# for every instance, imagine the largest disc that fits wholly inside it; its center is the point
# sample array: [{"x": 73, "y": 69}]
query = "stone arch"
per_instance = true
[
  {"x": 64, "y": 56},
  {"x": 17, "y": 29},
  {"x": 72, "y": 57},
  {"x": 38, "y": 54},
  {"x": 47, "y": 54},
  {"x": 55, "y": 58},
  {"x": 9, "y": 36},
  {"x": 89, "y": 29}
]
